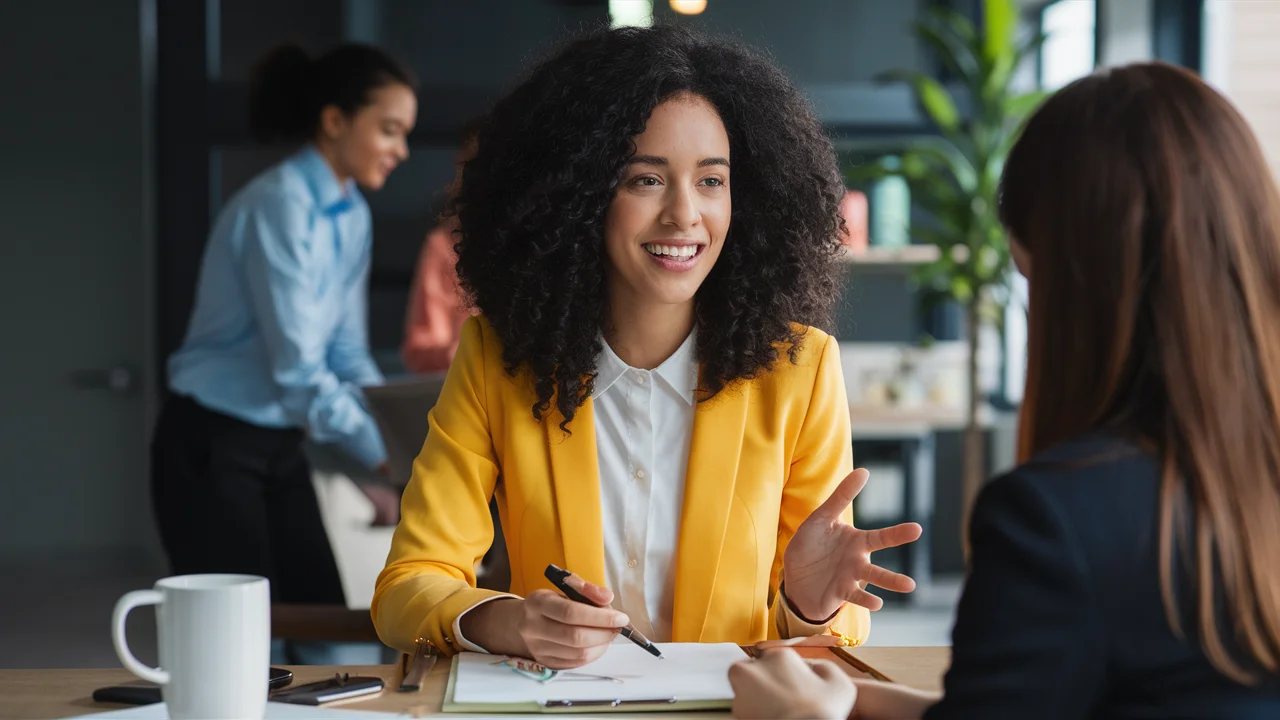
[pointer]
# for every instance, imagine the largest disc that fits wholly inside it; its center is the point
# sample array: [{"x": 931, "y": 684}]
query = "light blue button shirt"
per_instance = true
[{"x": 278, "y": 336}]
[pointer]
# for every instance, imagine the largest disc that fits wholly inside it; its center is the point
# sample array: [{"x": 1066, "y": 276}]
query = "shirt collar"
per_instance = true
[
  {"x": 332, "y": 197},
  {"x": 679, "y": 372}
]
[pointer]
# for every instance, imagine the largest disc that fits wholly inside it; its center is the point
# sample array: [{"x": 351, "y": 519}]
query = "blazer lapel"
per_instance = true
[
  {"x": 575, "y": 474},
  {"x": 714, "y": 451}
]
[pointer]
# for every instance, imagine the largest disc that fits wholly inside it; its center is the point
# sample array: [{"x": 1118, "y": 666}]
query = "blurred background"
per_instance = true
[{"x": 124, "y": 130}]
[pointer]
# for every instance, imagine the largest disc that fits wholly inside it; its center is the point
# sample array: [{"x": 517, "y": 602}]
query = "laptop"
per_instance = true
[{"x": 400, "y": 408}]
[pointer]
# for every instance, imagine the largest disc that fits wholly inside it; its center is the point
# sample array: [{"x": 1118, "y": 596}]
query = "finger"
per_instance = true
[
  {"x": 562, "y": 609},
  {"x": 861, "y": 597},
  {"x": 781, "y": 658},
  {"x": 842, "y": 497},
  {"x": 888, "y": 580},
  {"x": 560, "y": 657},
  {"x": 781, "y": 643},
  {"x": 563, "y": 659},
  {"x": 893, "y": 536},
  {"x": 597, "y": 594},
  {"x": 570, "y": 637},
  {"x": 827, "y": 670},
  {"x": 744, "y": 674},
  {"x": 785, "y": 666}
]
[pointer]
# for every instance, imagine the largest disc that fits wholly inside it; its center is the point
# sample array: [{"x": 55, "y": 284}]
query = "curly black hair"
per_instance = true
[{"x": 532, "y": 206}]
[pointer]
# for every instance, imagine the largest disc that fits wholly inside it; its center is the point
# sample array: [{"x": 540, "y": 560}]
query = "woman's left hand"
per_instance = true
[
  {"x": 828, "y": 561},
  {"x": 782, "y": 685}
]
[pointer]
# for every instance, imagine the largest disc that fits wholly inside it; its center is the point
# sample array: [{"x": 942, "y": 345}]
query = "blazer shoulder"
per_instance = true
[
  {"x": 1104, "y": 487},
  {"x": 811, "y": 349},
  {"x": 799, "y": 369},
  {"x": 479, "y": 345},
  {"x": 480, "y": 350},
  {"x": 1091, "y": 465}
]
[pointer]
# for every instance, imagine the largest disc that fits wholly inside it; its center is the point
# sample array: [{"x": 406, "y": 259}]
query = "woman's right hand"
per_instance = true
[{"x": 547, "y": 627}]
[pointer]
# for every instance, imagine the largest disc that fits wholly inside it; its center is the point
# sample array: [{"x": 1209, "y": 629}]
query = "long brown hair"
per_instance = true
[{"x": 1153, "y": 225}]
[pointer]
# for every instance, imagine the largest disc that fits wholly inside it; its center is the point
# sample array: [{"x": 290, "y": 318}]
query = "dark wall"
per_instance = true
[
  {"x": 74, "y": 196},
  {"x": 820, "y": 42}
]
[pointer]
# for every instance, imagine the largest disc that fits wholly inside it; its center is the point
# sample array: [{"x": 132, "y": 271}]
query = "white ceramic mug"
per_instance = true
[{"x": 214, "y": 633}]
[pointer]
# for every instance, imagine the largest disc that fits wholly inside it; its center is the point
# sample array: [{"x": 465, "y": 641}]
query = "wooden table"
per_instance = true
[{"x": 32, "y": 694}]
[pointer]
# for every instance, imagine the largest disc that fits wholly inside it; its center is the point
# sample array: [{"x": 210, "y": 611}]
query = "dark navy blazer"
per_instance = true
[{"x": 1062, "y": 616}]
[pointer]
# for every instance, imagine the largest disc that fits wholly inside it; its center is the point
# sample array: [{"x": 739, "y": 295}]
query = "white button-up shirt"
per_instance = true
[{"x": 644, "y": 423}]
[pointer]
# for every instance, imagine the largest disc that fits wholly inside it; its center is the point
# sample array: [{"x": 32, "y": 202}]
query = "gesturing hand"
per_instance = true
[{"x": 827, "y": 560}]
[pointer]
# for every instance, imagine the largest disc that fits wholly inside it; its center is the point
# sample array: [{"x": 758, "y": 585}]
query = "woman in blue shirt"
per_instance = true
[{"x": 277, "y": 346}]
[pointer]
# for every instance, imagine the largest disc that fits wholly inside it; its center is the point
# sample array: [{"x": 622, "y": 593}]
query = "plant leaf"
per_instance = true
[
  {"x": 951, "y": 48},
  {"x": 999, "y": 19},
  {"x": 947, "y": 155},
  {"x": 934, "y": 98},
  {"x": 1017, "y": 108},
  {"x": 939, "y": 104},
  {"x": 1001, "y": 73},
  {"x": 1029, "y": 48},
  {"x": 958, "y": 23},
  {"x": 997, "y": 83}
]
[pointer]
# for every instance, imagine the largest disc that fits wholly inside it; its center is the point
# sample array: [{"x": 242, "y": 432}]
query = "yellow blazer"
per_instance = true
[{"x": 764, "y": 454}]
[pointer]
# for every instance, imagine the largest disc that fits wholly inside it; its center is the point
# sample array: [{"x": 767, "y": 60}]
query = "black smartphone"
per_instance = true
[
  {"x": 339, "y": 687},
  {"x": 145, "y": 693}
]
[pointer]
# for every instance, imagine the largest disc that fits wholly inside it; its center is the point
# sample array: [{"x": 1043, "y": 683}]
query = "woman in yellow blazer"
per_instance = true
[{"x": 643, "y": 391}]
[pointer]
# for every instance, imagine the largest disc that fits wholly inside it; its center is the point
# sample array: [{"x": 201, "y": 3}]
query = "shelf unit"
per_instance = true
[{"x": 899, "y": 255}]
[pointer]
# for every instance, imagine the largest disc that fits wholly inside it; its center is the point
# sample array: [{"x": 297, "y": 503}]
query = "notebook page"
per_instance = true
[{"x": 688, "y": 671}]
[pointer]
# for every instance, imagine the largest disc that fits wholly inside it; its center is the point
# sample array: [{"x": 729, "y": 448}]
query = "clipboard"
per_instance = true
[
  {"x": 846, "y": 654},
  {"x": 542, "y": 698},
  {"x": 817, "y": 646}
]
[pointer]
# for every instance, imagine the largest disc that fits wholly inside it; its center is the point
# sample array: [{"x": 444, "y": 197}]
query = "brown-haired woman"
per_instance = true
[{"x": 1126, "y": 569}]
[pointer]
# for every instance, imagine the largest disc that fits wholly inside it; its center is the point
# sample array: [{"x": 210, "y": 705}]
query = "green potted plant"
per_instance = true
[{"x": 954, "y": 176}]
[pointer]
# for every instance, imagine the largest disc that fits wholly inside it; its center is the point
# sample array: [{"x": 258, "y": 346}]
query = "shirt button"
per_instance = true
[
  {"x": 640, "y": 378},
  {"x": 632, "y": 563},
  {"x": 639, "y": 474}
]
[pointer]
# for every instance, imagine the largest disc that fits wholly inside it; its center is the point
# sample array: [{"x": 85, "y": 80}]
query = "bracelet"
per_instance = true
[{"x": 782, "y": 588}]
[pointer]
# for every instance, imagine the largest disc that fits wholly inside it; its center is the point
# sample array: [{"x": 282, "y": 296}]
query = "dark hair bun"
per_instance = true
[
  {"x": 280, "y": 98},
  {"x": 290, "y": 89}
]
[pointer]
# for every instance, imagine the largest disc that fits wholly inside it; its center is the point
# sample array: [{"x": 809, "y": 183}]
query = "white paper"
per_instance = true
[
  {"x": 687, "y": 672},
  {"x": 275, "y": 711}
]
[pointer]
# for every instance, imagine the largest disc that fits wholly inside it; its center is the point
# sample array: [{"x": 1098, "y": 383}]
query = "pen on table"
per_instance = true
[{"x": 557, "y": 575}]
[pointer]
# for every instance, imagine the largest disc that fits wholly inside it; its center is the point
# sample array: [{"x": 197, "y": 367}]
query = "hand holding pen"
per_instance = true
[
  {"x": 560, "y": 579},
  {"x": 558, "y": 632}
]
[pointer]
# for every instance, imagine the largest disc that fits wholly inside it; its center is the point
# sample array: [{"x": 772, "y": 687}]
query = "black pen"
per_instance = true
[{"x": 557, "y": 576}]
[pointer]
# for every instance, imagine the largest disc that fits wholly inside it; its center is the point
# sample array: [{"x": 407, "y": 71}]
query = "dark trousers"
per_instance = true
[{"x": 233, "y": 497}]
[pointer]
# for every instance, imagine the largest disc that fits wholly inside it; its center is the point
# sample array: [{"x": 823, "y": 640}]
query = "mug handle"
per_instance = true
[{"x": 131, "y": 600}]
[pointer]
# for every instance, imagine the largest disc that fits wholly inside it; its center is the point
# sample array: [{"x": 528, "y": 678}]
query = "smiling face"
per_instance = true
[
  {"x": 368, "y": 145},
  {"x": 666, "y": 225}
]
